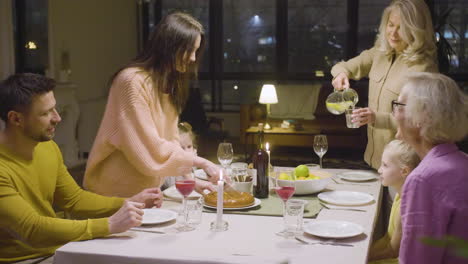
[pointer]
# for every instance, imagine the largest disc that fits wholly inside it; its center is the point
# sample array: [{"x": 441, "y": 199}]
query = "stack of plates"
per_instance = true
[
  {"x": 333, "y": 229},
  {"x": 358, "y": 176}
]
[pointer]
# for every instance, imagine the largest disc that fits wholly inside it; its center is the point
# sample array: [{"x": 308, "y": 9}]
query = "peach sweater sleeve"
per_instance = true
[
  {"x": 137, "y": 139},
  {"x": 137, "y": 135}
]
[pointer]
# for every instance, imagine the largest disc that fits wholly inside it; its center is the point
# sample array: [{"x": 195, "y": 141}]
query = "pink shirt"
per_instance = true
[
  {"x": 435, "y": 203},
  {"x": 137, "y": 143}
]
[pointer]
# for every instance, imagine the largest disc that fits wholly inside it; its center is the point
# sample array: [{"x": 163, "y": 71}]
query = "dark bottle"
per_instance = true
[{"x": 260, "y": 164}]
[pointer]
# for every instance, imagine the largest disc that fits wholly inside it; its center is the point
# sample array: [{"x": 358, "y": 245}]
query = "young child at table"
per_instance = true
[
  {"x": 398, "y": 160},
  {"x": 187, "y": 140}
]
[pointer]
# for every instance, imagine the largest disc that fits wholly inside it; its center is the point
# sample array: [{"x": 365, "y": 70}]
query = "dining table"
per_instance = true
[{"x": 250, "y": 238}]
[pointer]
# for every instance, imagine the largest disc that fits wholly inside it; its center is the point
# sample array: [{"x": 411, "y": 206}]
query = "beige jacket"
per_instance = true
[
  {"x": 137, "y": 143},
  {"x": 385, "y": 82}
]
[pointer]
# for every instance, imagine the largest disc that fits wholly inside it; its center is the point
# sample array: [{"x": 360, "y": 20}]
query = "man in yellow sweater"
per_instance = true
[{"x": 34, "y": 181}]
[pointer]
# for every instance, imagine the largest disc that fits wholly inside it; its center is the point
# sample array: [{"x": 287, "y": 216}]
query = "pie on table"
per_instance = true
[{"x": 232, "y": 199}]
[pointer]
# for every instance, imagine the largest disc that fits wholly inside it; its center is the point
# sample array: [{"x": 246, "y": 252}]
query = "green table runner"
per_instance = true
[{"x": 273, "y": 206}]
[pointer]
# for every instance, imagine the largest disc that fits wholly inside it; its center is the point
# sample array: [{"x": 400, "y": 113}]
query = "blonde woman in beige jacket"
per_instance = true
[{"x": 405, "y": 43}]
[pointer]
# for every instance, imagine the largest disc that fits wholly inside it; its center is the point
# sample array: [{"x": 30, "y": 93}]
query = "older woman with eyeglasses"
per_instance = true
[
  {"x": 432, "y": 113},
  {"x": 405, "y": 43}
]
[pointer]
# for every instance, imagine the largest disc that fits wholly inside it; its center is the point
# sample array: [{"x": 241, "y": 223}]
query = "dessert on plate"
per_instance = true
[{"x": 232, "y": 199}]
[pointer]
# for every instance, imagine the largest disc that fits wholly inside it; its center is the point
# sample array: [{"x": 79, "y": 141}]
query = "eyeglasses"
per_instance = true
[{"x": 395, "y": 103}]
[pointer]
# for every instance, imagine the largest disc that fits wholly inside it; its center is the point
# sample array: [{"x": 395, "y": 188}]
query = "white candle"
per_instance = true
[
  {"x": 267, "y": 147},
  {"x": 219, "y": 205}
]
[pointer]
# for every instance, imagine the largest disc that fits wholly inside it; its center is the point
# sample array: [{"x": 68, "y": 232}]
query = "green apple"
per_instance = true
[
  {"x": 283, "y": 176},
  {"x": 301, "y": 171}
]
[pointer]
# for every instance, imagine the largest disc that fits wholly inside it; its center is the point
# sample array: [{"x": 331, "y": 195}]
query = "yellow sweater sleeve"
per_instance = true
[
  {"x": 80, "y": 203},
  {"x": 24, "y": 222},
  {"x": 28, "y": 216},
  {"x": 357, "y": 67}
]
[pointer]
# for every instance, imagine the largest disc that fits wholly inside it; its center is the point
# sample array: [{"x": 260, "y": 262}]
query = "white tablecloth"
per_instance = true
[{"x": 250, "y": 239}]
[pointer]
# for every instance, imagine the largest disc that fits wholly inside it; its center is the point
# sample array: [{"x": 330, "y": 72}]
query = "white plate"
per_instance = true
[
  {"x": 333, "y": 229},
  {"x": 157, "y": 216},
  {"x": 257, "y": 202},
  {"x": 172, "y": 193},
  {"x": 200, "y": 174},
  {"x": 357, "y": 176},
  {"x": 346, "y": 197}
]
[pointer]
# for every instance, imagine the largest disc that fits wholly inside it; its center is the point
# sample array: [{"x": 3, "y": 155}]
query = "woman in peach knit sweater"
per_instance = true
[{"x": 137, "y": 143}]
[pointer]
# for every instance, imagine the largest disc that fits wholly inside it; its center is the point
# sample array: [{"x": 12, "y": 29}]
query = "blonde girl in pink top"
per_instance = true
[{"x": 137, "y": 144}]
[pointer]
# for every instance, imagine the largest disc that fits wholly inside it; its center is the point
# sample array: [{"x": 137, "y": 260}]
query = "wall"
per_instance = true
[{"x": 100, "y": 37}]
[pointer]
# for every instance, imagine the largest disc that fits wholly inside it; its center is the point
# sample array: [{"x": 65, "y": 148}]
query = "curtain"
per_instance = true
[
  {"x": 7, "y": 48},
  {"x": 296, "y": 101}
]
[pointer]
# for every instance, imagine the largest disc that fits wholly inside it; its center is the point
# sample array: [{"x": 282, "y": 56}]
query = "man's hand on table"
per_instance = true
[
  {"x": 149, "y": 197},
  {"x": 128, "y": 216},
  {"x": 131, "y": 213}
]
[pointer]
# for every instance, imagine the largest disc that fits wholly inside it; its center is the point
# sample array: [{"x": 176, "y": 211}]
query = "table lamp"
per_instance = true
[{"x": 268, "y": 96}]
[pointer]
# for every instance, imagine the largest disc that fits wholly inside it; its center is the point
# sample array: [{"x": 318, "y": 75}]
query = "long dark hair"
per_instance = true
[{"x": 168, "y": 49}]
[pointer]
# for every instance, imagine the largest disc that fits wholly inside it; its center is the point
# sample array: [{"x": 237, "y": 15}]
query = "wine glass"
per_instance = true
[
  {"x": 320, "y": 146},
  {"x": 285, "y": 190},
  {"x": 225, "y": 154},
  {"x": 185, "y": 188}
]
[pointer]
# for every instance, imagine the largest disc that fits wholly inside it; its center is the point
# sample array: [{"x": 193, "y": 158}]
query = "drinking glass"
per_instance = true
[
  {"x": 285, "y": 190},
  {"x": 349, "y": 119},
  {"x": 225, "y": 155},
  {"x": 320, "y": 146},
  {"x": 293, "y": 217},
  {"x": 194, "y": 211},
  {"x": 185, "y": 188}
]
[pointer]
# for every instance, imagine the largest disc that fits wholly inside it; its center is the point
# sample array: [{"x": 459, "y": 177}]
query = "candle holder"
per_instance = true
[{"x": 219, "y": 227}]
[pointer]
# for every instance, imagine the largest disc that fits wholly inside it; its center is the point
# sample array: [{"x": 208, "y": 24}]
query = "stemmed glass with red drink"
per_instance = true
[
  {"x": 285, "y": 190},
  {"x": 185, "y": 188}
]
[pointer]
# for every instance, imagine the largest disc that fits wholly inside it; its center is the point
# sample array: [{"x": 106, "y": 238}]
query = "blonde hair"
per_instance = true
[
  {"x": 437, "y": 105},
  {"x": 415, "y": 29},
  {"x": 186, "y": 128},
  {"x": 403, "y": 153}
]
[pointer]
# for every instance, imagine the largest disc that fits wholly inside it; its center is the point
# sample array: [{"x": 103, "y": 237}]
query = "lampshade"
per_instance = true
[{"x": 268, "y": 95}]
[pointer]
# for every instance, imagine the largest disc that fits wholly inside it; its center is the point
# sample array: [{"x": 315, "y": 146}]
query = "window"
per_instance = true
[
  {"x": 370, "y": 13},
  {"x": 455, "y": 31},
  {"x": 252, "y": 42},
  {"x": 198, "y": 9},
  {"x": 235, "y": 93},
  {"x": 32, "y": 45},
  {"x": 249, "y": 36},
  {"x": 316, "y": 35},
  {"x": 206, "y": 93}
]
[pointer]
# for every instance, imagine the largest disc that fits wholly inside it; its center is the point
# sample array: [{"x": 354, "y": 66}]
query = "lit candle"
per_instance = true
[
  {"x": 219, "y": 205},
  {"x": 267, "y": 147}
]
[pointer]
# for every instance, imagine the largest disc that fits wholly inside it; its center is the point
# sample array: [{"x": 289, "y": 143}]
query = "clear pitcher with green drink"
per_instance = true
[{"x": 338, "y": 101}]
